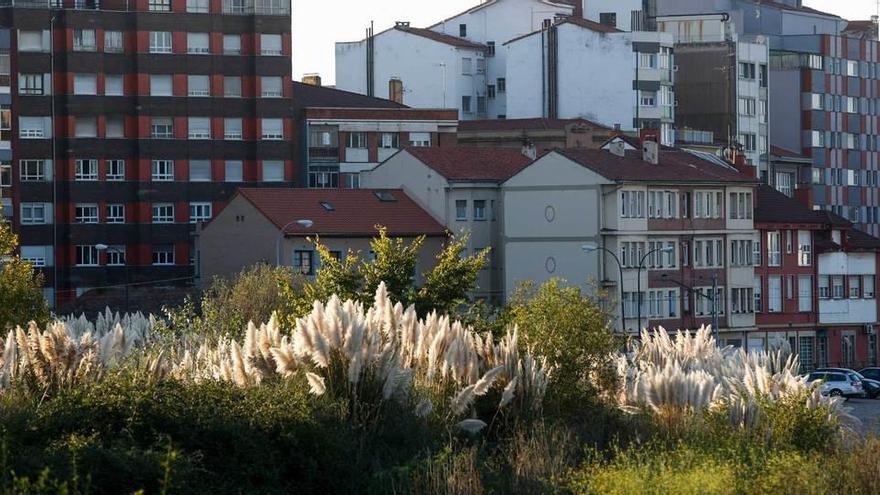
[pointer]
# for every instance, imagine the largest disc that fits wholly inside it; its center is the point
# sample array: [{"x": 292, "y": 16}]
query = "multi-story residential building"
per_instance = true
[
  {"x": 540, "y": 135},
  {"x": 677, "y": 226},
  {"x": 815, "y": 279},
  {"x": 134, "y": 121},
  {"x": 460, "y": 187},
  {"x": 456, "y": 63},
  {"x": 825, "y": 99},
  {"x": 346, "y": 133},
  {"x": 278, "y": 227},
  {"x": 633, "y": 90},
  {"x": 722, "y": 80}
]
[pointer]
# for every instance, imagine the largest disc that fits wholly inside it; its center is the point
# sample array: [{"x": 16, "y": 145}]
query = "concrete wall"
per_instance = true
[
  {"x": 852, "y": 311},
  {"x": 785, "y": 107},
  {"x": 623, "y": 9},
  {"x": 227, "y": 245}
]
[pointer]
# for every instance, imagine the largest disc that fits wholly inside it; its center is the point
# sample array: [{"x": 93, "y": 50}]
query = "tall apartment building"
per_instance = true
[
  {"x": 825, "y": 99},
  {"x": 133, "y": 121},
  {"x": 723, "y": 81}
]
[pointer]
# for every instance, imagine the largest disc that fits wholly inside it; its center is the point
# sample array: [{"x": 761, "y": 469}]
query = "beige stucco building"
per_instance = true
[{"x": 249, "y": 230}]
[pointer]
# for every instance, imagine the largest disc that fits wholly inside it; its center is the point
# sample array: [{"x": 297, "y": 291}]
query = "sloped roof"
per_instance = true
[
  {"x": 442, "y": 38},
  {"x": 577, "y": 21},
  {"x": 858, "y": 240},
  {"x": 355, "y": 212},
  {"x": 307, "y": 95},
  {"x": 472, "y": 164},
  {"x": 523, "y": 124},
  {"x": 784, "y": 152},
  {"x": 674, "y": 166},
  {"x": 774, "y": 207},
  {"x": 861, "y": 29},
  {"x": 783, "y": 6}
]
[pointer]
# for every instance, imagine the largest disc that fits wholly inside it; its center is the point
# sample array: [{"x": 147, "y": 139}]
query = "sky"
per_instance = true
[{"x": 318, "y": 24}]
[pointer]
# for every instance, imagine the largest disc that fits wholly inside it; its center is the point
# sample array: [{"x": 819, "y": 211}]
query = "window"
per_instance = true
[
  {"x": 837, "y": 286},
  {"x": 741, "y": 253},
  {"x": 85, "y": 127},
  {"x": 231, "y": 44},
  {"x": 648, "y": 60},
  {"x": 163, "y": 170},
  {"x": 746, "y": 70},
  {"x": 805, "y": 248},
  {"x": 84, "y": 40},
  {"x": 389, "y": 140},
  {"x": 481, "y": 105},
  {"x": 490, "y": 91},
  {"x": 161, "y": 128},
  {"x": 762, "y": 75},
  {"x": 115, "y": 213},
  {"x": 113, "y": 42},
  {"x": 115, "y": 126},
  {"x": 86, "y": 170},
  {"x": 479, "y": 209},
  {"x": 462, "y": 30},
  {"x": 357, "y": 140},
  {"x": 420, "y": 139},
  {"x": 232, "y": 87},
  {"x": 198, "y": 86},
  {"x": 824, "y": 287},
  {"x": 608, "y": 19},
  {"x": 200, "y": 171},
  {"x": 86, "y": 256},
  {"x": 197, "y": 6},
  {"x": 34, "y": 127},
  {"x": 302, "y": 262},
  {"x": 789, "y": 241},
  {"x": 762, "y": 111},
  {"x": 38, "y": 256},
  {"x": 270, "y": 44},
  {"x": 855, "y": 287},
  {"x": 632, "y": 204},
  {"x": 648, "y": 98},
  {"x": 160, "y": 42},
  {"x": 115, "y": 170},
  {"x": 759, "y": 302},
  {"x": 113, "y": 85},
  {"x": 747, "y": 107},
  {"x": 774, "y": 296},
  {"x": 115, "y": 255},
  {"x": 35, "y": 213},
  {"x": 160, "y": 85},
  {"x": 197, "y": 43},
  {"x": 461, "y": 209},
  {"x": 30, "y": 84},
  {"x": 163, "y": 254},
  {"x": 273, "y": 171},
  {"x": 501, "y": 85},
  {"x": 748, "y": 141},
  {"x": 199, "y": 212},
  {"x": 160, "y": 5},
  {"x": 818, "y": 139},
  {"x": 742, "y": 300},
  {"x": 233, "y": 170},
  {"x": 270, "y": 87},
  {"x": 32, "y": 41},
  {"x": 631, "y": 253},
  {"x": 34, "y": 171},
  {"x": 163, "y": 212},
  {"x": 466, "y": 104},
  {"x": 490, "y": 48},
  {"x": 708, "y": 253},
  {"x": 272, "y": 129},
  {"x": 868, "y": 286},
  {"x": 199, "y": 128},
  {"x": 86, "y": 213},
  {"x": 740, "y": 207},
  {"x": 774, "y": 248},
  {"x": 467, "y": 66},
  {"x": 232, "y": 129}
]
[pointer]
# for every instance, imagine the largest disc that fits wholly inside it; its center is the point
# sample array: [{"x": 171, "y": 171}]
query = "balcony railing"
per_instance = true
[{"x": 324, "y": 154}]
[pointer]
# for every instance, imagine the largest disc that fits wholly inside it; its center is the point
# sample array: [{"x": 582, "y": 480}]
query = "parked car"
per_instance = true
[
  {"x": 870, "y": 387},
  {"x": 837, "y": 384},
  {"x": 873, "y": 373}
]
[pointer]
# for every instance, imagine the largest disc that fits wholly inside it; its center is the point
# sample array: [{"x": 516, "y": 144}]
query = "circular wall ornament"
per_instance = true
[
  {"x": 550, "y": 213},
  {"x": 550, "y": 265}
]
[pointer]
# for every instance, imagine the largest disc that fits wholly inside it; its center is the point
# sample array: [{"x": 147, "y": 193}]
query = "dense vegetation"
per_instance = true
[{"x": 369, "y": 396}]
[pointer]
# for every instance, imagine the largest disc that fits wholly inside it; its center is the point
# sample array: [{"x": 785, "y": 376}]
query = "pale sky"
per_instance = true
[{"x": 318, "y": 24}]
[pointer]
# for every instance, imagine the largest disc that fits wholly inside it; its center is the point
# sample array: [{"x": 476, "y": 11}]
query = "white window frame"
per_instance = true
[
  {"x": 161, "y": 42},
  {"x": 116, "y": 213},
  {"x": 86, "y": 169},
  {"x": 162, "y": 170},
  {"x": 162, "y": 213},
  {"x": 200, "y": 211},
  {"x": 86, "y": 213}
]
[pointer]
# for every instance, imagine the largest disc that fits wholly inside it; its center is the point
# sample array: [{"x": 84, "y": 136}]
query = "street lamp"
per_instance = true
[
  {"x": 306, "y": 224},
  {"x": 667, "y": 249},
  {"x": 713, "y": 299},
  {"x": 110, "y": 249},
  {"x": 592, "y": 248}
]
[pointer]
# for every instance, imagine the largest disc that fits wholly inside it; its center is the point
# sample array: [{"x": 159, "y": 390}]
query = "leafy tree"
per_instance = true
[
  {"x": 21, "y": 289},
  {"x": 394, "y": 262}
]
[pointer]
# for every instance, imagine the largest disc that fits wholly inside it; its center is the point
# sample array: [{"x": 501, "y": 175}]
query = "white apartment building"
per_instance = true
[
  {"x": 460, "y": 188},
  {"x": 578, "y": 68},
  {"x": 686, "y": 221}
]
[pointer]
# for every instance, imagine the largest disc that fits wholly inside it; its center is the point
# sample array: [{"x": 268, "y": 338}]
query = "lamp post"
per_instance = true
[
  {"x": 667, "y": 249},
  {"x": 713, "y": 298},
  {"x": 110, "y": 249},
  {"x": 591, "y": 248},
  {"x": 303, "y": 222}
]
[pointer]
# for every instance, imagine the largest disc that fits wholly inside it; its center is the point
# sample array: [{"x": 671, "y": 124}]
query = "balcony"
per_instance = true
[{"x": 321, "y": 154}]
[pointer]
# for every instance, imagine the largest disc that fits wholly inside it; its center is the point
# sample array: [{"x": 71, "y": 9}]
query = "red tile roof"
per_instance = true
[
  {"x": 675, "y": 166},
  {"x": 472, "y": 164},
  {"x": 523, "y": 124},
  {"x": 356, "y": 212},
  {"x": 442, "y": 38},
  {"x": 771, "y": 206}
]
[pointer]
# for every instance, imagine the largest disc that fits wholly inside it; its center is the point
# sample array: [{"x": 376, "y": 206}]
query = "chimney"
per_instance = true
[
  {"x": 312, "y": 79},
  {"x": 804, "y": 196},
  {"x": 651, "y": 152},
  {"x": 529, "y": 150},
  {"x": 618, "y": 148},
  {"x": 395, "y": 90}
]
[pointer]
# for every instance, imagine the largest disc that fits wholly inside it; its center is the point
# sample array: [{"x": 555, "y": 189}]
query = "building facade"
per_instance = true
[
  {"x": 538, "y": 135},
  {"x": 678, "y": 228},
  {"x": 131, "y": 122},
  {"x": 343, "y": 133}
]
